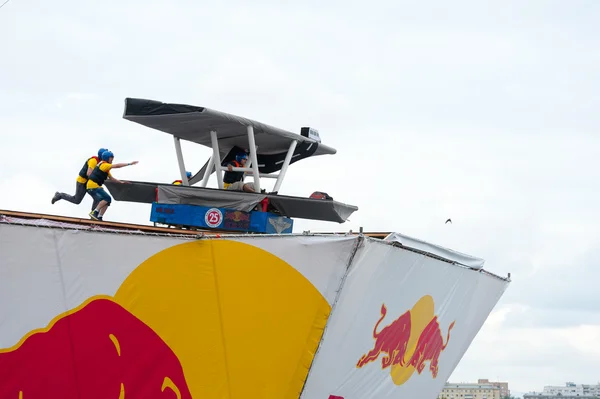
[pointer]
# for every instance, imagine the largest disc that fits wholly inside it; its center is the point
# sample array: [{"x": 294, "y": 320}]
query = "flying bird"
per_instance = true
[{"x": 449, "y": 220}]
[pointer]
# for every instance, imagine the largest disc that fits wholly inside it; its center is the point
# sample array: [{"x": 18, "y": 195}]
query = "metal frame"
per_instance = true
[
  {"x": 184, "y": 178},
  {"x": 286, "y": 164},
  {"x": 253, "y": 158},
  {"x": 216, "y": 158},
  {"x": 252, "y": 167},
  {"x": 207, "y": 172}
]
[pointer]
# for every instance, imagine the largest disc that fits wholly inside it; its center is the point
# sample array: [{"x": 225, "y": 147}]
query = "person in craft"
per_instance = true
[
  {"x": 233, "y": 180},
  {"x": 180, "y": 182}
]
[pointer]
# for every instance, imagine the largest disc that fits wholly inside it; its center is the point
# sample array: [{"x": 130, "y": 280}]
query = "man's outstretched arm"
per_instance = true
[{"x": 121, "y": 165}]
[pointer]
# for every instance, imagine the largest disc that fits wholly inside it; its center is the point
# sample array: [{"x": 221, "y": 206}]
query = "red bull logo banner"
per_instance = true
[
  {"x": 408, "y": 342},
  {"x": 104, "y": 315},
  {"x": 99, "y": 350},
  {"x": 402, "y": 322},
  {"x": 100, "y": 314}
]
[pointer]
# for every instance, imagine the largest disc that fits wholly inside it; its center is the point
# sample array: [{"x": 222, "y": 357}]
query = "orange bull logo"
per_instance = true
[
  {"x": 99, "y": 351},
  {"x": 406, "y": 344}
]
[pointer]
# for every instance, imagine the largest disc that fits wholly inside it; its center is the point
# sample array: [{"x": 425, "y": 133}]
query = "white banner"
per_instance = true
[
  {"x": 99, "y": 314},
  {"x": 322, "y": 260},
  {"x": 400, "y": 326},
  {"x": 424, "y": 246},
  {"x": 45, "y": 272}
]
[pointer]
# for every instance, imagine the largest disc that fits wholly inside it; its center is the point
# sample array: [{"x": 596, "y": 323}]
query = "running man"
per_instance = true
[
  {"x": 81, "y": 183},
  {"x": 97, "y": 178}
]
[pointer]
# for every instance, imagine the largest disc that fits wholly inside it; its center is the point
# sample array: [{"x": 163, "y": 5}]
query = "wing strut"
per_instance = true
[{"x": 184, "y": 178}]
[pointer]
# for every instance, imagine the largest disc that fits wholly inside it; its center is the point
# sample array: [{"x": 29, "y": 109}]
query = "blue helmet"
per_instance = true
[
  {"x": 106, "y": 155},
  {"x": 240, "y": 156},
  {"x": 188, "y": 174},
  {"x": 101, "y": 151}
]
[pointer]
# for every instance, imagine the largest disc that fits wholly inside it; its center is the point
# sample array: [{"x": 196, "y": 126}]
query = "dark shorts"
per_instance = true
[{"x": 98, "y": 194}]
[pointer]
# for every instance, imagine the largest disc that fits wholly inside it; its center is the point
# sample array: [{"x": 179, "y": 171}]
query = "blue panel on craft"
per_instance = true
[
  {"x": 220, "y": 218},
  {"x": 278, "y": 225}
]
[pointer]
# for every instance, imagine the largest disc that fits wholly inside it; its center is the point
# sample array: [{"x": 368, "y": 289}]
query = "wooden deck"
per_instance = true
[{"x": 141, "y": 227}]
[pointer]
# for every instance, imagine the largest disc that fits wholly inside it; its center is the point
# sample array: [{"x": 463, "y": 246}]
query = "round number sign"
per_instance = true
[{"x": 213, "y": 217}]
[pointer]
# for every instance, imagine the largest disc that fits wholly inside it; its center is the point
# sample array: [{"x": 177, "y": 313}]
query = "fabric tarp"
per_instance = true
[
  {"x": 451, "y": 255},
  {"x": 308, "y": 208},
  {"x": 133, "y": 191},
  {"x": 293, "y": 207},
  {"x": 239, "y": 201}
]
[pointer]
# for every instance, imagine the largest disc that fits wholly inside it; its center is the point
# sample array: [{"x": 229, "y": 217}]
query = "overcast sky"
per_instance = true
[{"x": 485, "y": 113}]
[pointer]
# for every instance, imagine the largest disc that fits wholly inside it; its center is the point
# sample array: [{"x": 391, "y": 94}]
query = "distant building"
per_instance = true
[
  {"x": 569, "y": 391},
  {"x": 504, "y": 391},
  {"x": 470, "y": 391}
]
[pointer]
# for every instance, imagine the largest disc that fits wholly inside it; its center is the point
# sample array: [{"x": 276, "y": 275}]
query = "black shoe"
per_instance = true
[
  {"x": 94, "y": 215},
  {"x": 56, "y": 197}
]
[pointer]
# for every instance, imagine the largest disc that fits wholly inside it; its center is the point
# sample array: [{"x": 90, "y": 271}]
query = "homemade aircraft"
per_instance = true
[{"x": 270, "y": 150}]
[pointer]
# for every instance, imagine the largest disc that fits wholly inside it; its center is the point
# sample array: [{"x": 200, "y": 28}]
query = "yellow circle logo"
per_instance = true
[{"x": 241, "y": 321}]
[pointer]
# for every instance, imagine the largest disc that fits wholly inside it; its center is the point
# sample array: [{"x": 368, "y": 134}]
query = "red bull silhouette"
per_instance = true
[
  {"x": 391, "y": 341},
  {"x": 100, "y": 351},
  {"x": 408, "y": 342},
  {"x": 429, "y": 347}
]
